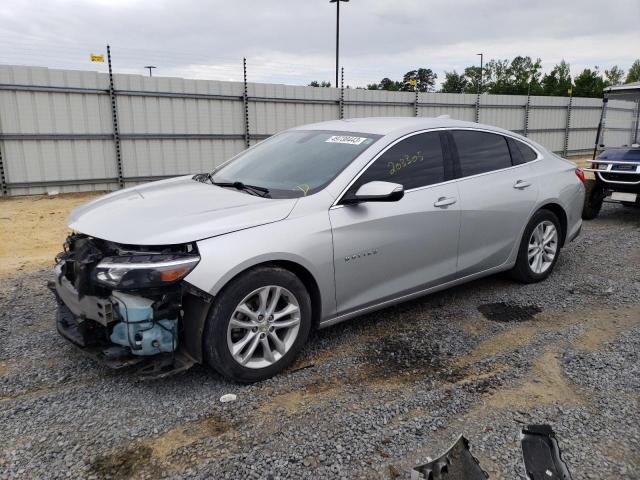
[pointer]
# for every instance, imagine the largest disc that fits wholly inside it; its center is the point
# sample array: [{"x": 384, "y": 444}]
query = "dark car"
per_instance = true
[{"x": 617, "y": 179}]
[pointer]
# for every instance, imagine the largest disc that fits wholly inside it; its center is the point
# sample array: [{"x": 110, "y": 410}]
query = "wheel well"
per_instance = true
[
  {"x": 305, "y": 277},
  {"x": 562, "y": 216}
]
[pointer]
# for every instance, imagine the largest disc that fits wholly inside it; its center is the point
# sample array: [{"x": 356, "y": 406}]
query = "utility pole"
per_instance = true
[
  {"x": 337, "y": 2},
  {"x": 150, "y": 67},
  {"x": 481, "y": 71}
]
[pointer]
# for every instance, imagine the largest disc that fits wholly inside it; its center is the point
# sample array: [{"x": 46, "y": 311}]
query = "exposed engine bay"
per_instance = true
[{"x": 125, "y": 304}]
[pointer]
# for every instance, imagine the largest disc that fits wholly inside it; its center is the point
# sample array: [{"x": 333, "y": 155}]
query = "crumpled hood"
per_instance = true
[{"x": 178, "y": 210}]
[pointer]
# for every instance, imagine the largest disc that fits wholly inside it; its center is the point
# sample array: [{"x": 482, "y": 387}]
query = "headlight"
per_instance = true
[{"x": 143, "y": 271}]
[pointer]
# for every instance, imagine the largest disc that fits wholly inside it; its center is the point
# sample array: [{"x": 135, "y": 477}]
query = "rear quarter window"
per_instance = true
[{"x": 527, "y": 154}]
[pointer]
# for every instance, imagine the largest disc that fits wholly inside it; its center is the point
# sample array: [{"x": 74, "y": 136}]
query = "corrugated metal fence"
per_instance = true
[{"x": 60, "y": 129}]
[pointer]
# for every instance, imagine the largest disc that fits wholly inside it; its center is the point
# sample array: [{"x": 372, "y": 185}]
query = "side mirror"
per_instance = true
[{"x": 376, "y": 192}]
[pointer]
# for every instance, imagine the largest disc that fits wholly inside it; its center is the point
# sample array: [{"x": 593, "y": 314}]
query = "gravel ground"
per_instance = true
[{"x": 367, "y": 399}]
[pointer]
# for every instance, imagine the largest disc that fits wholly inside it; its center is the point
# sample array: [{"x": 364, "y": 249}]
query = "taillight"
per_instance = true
[{"x": 580, "y": 174}]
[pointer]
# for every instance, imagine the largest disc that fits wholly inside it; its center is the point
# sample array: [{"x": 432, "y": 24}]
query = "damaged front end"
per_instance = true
[{"x": 125, "y": 305}]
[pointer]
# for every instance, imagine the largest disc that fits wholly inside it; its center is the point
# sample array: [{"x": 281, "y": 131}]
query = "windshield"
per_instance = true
[{"x": 295, "y": 163}]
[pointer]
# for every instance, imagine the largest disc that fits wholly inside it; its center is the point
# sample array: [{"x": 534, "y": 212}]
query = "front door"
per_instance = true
[{"x": 384, "y": 250}]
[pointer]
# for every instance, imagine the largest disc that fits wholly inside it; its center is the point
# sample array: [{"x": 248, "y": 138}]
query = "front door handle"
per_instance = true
[
  {"x": 444, "y": 202},
  {"x": 521, "y": 185}
]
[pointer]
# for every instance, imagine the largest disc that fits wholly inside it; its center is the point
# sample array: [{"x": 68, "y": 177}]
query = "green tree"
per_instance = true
[
  {"x": 454, "y": 82},
  {"x": 524, "y": 76},
  {"x": 634, "y": 72},
  {"x": 388, "y": 84},
  {"x": 613, "y": 76},
  {"x": 516, "y": 77},
  {"x": 558, "y": 81},
  {"x": 589, "y": 83},
  {"x": 424, "y": 77},
  {"x": 472, "y": 74},
  {"x": 315, "y": 83},
  {"x": 495, "y": 77}
]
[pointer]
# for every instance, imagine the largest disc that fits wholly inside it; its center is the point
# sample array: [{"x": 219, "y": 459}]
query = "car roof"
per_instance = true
[{"x": 395, "y": 125}]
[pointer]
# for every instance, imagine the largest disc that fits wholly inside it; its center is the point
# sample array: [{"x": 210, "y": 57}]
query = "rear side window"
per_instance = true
[
  {"x": 480, "y": 152},
  {"x": 526, "y": 153},
  {"x": 414, "y": 162}
]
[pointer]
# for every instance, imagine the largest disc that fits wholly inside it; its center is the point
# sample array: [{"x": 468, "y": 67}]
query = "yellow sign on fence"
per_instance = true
[{"x": 97, "y": 58}]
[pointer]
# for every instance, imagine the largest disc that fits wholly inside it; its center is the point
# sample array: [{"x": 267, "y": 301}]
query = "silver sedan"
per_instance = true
[{"x": 313, "y": 226}]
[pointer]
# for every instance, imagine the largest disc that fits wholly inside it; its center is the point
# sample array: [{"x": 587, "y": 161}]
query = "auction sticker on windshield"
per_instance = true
[{"x": 346, "y": 139}]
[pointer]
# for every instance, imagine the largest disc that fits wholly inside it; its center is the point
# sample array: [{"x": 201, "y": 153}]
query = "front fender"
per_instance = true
[{"x": 305, "y": 241}]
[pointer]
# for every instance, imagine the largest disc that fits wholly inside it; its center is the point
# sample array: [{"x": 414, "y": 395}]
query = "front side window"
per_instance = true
[
  {"x": 480, "y": 152},
  {"x": 296, "y": 163},
  {"x": 414, "y": 162}
]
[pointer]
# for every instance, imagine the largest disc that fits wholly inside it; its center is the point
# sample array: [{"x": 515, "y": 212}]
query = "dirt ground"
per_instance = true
[{"x": 38, "y": 225}]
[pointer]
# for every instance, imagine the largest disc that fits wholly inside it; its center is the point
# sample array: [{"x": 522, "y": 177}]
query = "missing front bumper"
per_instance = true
[{"x": 92, "y": 339}]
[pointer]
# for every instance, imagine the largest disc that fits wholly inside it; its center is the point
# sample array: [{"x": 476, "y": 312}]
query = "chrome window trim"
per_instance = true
[{"x": 336, "y": 203}]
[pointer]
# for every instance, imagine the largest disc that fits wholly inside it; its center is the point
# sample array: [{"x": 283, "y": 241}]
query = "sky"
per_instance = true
[{"x": 293, "y": 41}]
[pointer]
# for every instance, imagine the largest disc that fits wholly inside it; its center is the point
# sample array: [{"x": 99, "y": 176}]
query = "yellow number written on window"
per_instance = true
[{"x": 404, "y": 162}]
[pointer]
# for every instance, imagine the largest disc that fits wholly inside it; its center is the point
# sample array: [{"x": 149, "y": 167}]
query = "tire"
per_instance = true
[
  {"x": 219, "y": 338},
  {"x": 593, "y": 198},
  {"x": 523, "y": 270}
]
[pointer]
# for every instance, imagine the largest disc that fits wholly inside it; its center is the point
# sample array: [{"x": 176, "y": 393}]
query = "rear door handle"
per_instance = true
[
  {"x": 521, "y": 184},
  {"x": 444, "y": 202}
]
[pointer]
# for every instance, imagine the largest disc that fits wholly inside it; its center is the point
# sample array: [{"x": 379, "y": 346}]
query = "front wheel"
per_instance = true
[
  {"x": 539, "y": 248},
  {"x": 257, "y": 324}
]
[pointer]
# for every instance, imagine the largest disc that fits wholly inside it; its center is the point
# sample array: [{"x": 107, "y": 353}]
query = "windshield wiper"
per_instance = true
[{"x": 252, "y": 189}]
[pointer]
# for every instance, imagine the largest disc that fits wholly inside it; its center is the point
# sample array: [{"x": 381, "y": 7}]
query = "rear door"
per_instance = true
[
  {"x": 497, "y": 195},
  {"x": 385, "y": 250}
]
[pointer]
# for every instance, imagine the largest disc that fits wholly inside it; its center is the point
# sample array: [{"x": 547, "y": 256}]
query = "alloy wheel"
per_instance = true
[
  {"x": 263, "y": 327},
  {"x": 543, "y": 246}
]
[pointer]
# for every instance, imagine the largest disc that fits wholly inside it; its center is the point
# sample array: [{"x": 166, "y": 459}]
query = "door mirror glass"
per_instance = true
[{"x": 377, "y": 191}]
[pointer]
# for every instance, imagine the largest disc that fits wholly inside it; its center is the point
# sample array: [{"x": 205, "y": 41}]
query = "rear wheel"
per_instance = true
[
  {"x": 257, "y": 325},
  {"x": 593, "y": 198},
  {"x": 539, "y": 248}
]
